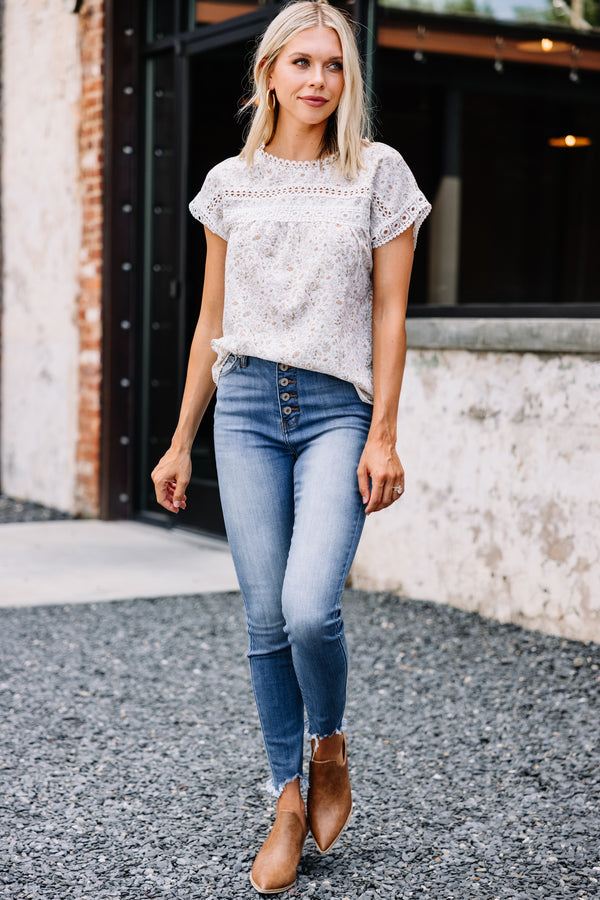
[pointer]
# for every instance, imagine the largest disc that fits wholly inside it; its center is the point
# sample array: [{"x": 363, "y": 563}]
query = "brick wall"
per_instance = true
[
  {"x": 1, "y": 279},
  {"x": 91, "y": 136}
]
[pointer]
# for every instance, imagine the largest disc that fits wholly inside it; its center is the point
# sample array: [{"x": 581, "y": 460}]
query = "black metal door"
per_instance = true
[{"x": 192, "y": 94}]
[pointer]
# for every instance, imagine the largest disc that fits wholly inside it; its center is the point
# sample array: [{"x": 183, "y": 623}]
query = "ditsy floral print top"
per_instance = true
[{"x": 298, "y": 286}]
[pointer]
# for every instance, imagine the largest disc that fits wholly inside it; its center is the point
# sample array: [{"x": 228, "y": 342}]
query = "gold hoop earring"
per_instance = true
[{"x": 270, "y": 95}]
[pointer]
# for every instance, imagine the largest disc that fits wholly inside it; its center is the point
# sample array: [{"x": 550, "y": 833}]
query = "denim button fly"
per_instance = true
[{"x": 287, "y": 389}]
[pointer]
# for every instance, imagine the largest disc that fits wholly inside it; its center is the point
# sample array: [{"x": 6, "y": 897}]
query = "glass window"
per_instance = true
[
  {"x": 578, "y": 14},
  {"x": 510, "y": 161},
  {"x": 530, "y": 210}
]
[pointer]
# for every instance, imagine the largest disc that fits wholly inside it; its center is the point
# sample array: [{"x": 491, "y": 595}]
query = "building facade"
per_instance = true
[{"x": 108, "y": 130}]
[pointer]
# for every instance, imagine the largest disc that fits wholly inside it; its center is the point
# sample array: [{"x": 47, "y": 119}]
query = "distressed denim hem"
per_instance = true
[
  {"x": 317, "y": 737},
  {"x": 277, "y": 791}
]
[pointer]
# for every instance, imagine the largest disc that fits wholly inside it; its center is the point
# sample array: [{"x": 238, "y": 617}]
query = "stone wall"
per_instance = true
[
  {"x": 41, "y": 241},
  {"x": 501, "y": 513},
  {"x": 52, "y": 220},
  {"x": 1, "y": 276}
]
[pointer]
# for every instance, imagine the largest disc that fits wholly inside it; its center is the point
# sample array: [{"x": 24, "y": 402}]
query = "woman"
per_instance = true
[{"x": 310, "y": 236}]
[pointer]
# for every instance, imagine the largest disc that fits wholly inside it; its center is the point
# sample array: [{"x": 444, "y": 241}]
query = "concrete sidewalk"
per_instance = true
[{"x": 81, "y": 561}]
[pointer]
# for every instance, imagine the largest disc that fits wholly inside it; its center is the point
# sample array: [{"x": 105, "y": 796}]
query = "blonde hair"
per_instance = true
[{"x": 348, "y": 127}]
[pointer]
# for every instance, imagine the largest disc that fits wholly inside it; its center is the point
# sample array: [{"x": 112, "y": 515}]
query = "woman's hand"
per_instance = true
[
  {"x": 379, "y": 472},
  {"x": 171, "y": 476}
]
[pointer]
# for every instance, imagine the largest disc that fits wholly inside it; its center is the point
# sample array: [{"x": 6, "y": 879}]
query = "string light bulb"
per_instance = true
[{"x": 570, "y": 140}]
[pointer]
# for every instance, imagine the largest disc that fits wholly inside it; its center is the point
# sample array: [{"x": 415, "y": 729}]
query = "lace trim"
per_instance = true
[
  {"x": 295, "y": 190},
  {"x": 294, "y": 163},
  {"x": 414, "y": 215},
  {"x": 208, "y": 214}
]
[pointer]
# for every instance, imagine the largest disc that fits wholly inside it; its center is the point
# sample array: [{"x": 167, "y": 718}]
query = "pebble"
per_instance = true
[{"x": 131, "y": 763}]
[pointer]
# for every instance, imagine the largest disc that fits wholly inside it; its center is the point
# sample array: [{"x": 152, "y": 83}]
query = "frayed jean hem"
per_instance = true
[
  {"x": 277, "y": 791},
  {"x": 318, "y": 737}
]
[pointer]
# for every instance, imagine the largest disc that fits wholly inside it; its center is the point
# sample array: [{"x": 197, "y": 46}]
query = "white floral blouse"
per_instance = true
[{"x": 298, "y": 285}]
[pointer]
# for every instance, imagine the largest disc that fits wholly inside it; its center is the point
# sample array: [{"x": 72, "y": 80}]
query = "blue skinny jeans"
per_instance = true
[{"x": 288, "y": 442}]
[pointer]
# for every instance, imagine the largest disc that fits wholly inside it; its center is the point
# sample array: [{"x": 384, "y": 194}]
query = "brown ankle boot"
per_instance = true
[
  {"x": 274, "y": 869},
  {"x": 329, "y": 799}
]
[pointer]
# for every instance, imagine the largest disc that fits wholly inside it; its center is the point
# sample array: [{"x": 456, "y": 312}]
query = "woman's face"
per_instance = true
[{"x": 308, "y": 77}]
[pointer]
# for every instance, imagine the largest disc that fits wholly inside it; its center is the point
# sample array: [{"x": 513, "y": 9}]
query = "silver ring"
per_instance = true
[{"x": 399, "y": 489}]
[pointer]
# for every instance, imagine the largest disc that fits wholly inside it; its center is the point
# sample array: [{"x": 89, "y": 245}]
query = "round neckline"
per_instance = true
[{"x": 296, "y": 163}]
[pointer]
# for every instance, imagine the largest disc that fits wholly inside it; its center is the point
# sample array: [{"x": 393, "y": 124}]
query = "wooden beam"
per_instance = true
[{"x": 428, "y": 40}]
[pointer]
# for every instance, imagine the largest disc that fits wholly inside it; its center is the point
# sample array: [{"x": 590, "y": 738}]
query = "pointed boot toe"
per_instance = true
[
  {"x": 329, "y": 800},
  {"x": 274, "y": 869}
]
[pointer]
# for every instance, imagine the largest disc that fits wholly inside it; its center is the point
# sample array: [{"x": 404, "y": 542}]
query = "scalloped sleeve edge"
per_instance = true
[
  {"x": 414, "y": 214},
  {"x": 203, "y": 213}
]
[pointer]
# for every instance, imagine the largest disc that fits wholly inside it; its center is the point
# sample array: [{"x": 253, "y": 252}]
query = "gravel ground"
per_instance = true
[
  {"x": 12, "y": 510},
  {"x": 132, "y": 766}
]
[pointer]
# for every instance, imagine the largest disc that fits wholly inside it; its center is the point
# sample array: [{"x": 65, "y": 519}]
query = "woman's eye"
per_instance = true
[
  {"x": 301, "y": 62},
  {"x": 336, "y": 66}
]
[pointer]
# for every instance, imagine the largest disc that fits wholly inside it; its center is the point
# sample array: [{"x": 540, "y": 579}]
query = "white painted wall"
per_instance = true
[
  {"x": 501, "y": 513},
  {"x": 41, "y": 240}
]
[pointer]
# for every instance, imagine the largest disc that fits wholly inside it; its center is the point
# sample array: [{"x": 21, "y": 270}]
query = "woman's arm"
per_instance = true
[
  {"x": 172, "y": 474},
  {"x": 380, "y": 469}
]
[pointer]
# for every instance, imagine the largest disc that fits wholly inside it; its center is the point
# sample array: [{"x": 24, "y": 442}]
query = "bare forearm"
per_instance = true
[
  {"x": 393, "y": 264},
  {"x": 199, "y": 385},
  {"x": 389, "y": 357},
  {"x": 199, "y": 388}
]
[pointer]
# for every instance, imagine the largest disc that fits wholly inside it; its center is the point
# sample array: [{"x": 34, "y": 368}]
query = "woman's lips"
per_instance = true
[{"x": 314, "y": 101}]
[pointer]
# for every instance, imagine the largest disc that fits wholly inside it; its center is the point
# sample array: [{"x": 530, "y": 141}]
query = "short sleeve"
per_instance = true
[
  {"x": 207, "y": 205},
  {"x": 396, "y": 201}
]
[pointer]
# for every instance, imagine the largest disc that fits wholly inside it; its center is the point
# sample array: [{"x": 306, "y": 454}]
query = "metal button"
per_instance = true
[
  {"x": 287, "y": 410},
  {"x": 284, "y": 382},
  {"x": 285, "y": 397},
  {"x": 283, "y": 367}
]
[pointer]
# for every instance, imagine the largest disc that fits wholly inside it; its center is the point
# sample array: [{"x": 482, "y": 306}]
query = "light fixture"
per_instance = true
[
  {"x": 545, "y": 45},
  {"x": 570, "y": 140}
]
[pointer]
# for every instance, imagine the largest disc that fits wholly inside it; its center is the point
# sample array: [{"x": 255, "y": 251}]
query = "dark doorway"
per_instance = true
[
  {"x": 214, "y": 133},
  {"x": 190, "y": 123}
]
